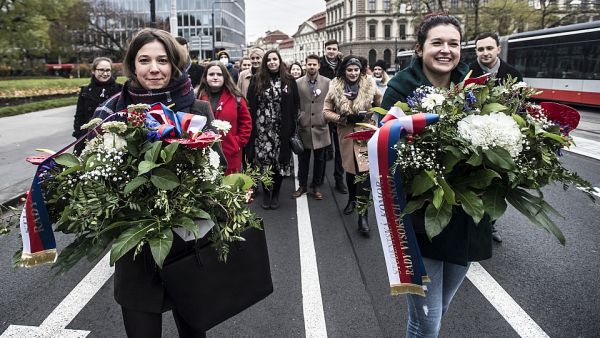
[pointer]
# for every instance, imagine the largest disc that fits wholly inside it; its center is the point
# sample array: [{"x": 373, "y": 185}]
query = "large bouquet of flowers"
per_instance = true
[
  {"x": 491, "y": 146},
  {"x": 147, "y": 174}
]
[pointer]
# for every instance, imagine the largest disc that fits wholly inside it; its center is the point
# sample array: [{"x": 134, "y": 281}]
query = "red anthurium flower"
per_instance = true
[
  {"x": 199, "y": 141},
  {"x": 481, "y": 80},
  {"x": 563, "y": 115},
  {"x": 362, "y": 135},
  {"x": 37, "y": 160}
]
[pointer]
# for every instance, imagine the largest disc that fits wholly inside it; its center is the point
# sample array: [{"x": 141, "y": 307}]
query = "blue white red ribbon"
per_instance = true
[
  {"x": 167, "y": 124},
  {"x": 406, "y": 271}
]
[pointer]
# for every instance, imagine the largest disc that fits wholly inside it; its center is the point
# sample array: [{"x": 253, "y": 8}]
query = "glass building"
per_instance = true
[{"x": 194, "y": 22}]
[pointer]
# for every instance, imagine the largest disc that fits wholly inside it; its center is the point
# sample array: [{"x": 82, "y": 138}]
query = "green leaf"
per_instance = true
[
  {"x": 152, "y": 154},
  {"x": 146, "y": 166},
  {"x": 475, "y": 160},
  {"x": 438, "y": 197},
  {"x": 437, "y": 219},
  {"x": 164, "y": 179},
  {"x": 554, "y": 137},
  {"x": 161, "y": 245},
  {"x": 413, "y": 205},
  {"x": 167, "y": 153},
  {"x": 421, "y": 183},
  {"x": 402, "y": 105},
  {"x": 494, "y": 203},
  {"x": 500, "y": 158},
  {"x": 479, "y": 179},
  {"x": 199, "y": 213},
  {"x": 68, "y": 160},
  {"x": 451, "y": 157},
  {"x": 471, "y": 203},
  {"x": 127, "y": 241},
  {"x": 133, "y": 147},
  {"x": 379, "y": 110},
  {"x": 92, "y": 162},
  {"x": 448, "y": 192},
  {"x": 242, "y": 181},
  {"x": 189, "y": 224},
  {"x": 134, "y": 184},
  {"x": 520, "y": 121},
  {"x": 70, "y": 170},
  {"x": 536, "y": 210},
  {"x": 492, "y": 108}
]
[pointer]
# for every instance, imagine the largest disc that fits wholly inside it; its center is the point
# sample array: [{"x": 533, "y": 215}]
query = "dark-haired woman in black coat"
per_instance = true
[{"x": 102, "y": 86}]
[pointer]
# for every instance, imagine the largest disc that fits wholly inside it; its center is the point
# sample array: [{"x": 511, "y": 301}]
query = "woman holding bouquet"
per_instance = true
[
  {"x": 227, "y": 104},
  {"x": 448, "y": 255},
  {"x": 351, "y": 94},
  {"x": 274, "y": 105},
  {"x": 153, "y": 64}
]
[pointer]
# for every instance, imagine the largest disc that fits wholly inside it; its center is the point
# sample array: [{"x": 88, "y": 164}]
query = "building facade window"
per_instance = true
[
  {"x": 372, "y": 31},
  {"x": 387, "y": 31},
  {"x": 387, "y": 57},
  {"x": 372, "y": 6},
  {"x": 386, "y": 5},
  {"x": 402, "y": 31},
  {"x": 372, "y": 56}
]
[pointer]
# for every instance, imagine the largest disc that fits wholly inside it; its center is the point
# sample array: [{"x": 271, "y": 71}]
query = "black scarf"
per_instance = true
[{"x": 178, "y": 91}]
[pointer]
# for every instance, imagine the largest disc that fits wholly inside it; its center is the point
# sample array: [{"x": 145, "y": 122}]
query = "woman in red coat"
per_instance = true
[{"x": 227, "y": 104}]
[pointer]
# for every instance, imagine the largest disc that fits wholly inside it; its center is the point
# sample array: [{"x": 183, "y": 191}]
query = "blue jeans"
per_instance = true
[{"x": 425, "y": 313}]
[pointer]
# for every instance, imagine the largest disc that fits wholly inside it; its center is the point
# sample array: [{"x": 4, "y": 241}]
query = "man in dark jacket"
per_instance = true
[
  {"x": 194, "y": 70},
  {"x": 487, "y": 48},
  {"x": 329, "y": 64}
]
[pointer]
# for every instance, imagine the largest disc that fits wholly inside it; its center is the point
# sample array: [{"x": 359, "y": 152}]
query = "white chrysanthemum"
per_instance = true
[
  {"x": 432, "y": 100},
  {"x": 519, "y": 85},
  {"x": 222, "y": 126},
  {"x": 493, "y": 130},
  {"x": 91, "y": 124},
  {"x": 114, "y": 127}
]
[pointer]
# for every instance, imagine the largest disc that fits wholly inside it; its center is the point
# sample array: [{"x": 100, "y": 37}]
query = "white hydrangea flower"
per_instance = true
[
  {"x": 493, "y": 130},
  {"x": 214, "y": 159},
  {"x": 114, "y": 141},
  {"x": 432, "y": 100},
  {"x": 222, "y": 126}
]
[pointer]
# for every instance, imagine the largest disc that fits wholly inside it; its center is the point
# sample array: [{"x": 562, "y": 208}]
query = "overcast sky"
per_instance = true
[{"x": 285, "y": 15}]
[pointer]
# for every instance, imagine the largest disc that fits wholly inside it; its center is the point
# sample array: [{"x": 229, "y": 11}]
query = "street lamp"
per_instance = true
[{"x": 214, "y": 47}]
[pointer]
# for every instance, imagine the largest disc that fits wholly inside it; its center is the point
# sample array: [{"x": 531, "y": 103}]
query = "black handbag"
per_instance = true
[
  {"x": 206, "y": 291},
  {"x": 296, "y": 143}
]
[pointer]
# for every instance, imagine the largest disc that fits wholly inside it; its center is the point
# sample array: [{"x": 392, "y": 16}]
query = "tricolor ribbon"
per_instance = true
[
  {"x": 406, "y": 271},
  {"x": 167, "y": 124}
]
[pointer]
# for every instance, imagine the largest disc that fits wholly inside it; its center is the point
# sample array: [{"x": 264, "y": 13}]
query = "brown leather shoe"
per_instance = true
[
  {"x": 317, "y": 194},
  {"x": 301, "y": 190}
]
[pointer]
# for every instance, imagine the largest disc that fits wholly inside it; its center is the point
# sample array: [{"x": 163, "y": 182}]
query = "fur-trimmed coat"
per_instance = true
[{"x": 337, "y": 107}]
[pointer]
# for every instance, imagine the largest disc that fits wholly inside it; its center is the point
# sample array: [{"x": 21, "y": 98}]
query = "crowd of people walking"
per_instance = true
[{"x": 267, "y": 102}]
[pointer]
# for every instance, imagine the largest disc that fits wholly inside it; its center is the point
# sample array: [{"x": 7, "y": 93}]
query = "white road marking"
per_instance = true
[
  {"x": 54, "y": 325},
  {"x": 504, "y": 303},
  {"x": 585, "y": 147},
  {"x": 596, "y": 191},
  {"x": 312, "y": 304}
]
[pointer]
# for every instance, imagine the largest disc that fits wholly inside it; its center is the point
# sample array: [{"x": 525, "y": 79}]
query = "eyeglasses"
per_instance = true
[{"x": 108, "y": 70}]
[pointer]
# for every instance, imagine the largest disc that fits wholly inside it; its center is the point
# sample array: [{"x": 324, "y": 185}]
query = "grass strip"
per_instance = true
[{"x": 36, "y": 106}]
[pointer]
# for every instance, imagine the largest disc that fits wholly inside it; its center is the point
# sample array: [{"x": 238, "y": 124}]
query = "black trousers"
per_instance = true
[
  {"x": 318, "y": 167},
  {"x": 149, "y": 325},
  {"x": 356, "y": 189},
  {"x": 338, "y": 170}
]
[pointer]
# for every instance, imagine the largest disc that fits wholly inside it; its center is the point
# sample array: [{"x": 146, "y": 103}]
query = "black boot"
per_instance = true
[
  {"x": 275, "y": 193},
  {"x": 266, "y": 203},
  {"x": 363, "y": 224},
  {"x": 349, "y": 207}
]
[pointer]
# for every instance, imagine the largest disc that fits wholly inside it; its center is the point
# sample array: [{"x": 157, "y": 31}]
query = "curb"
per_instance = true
[{"x": 13, "y": 201}]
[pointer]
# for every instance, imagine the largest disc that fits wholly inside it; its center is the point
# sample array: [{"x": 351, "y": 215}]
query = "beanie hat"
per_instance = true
[
  {"x": 221, "y": 53},
  {"x": 379, "y": 63}
]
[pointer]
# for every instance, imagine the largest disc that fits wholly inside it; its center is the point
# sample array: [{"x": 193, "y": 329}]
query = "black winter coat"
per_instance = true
[
  {"x": 290, "y": 105},
  {"x": 503, "y": 71},
  {"x": 326, "y": 71},
  {"x": 90, "y": 97}
]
